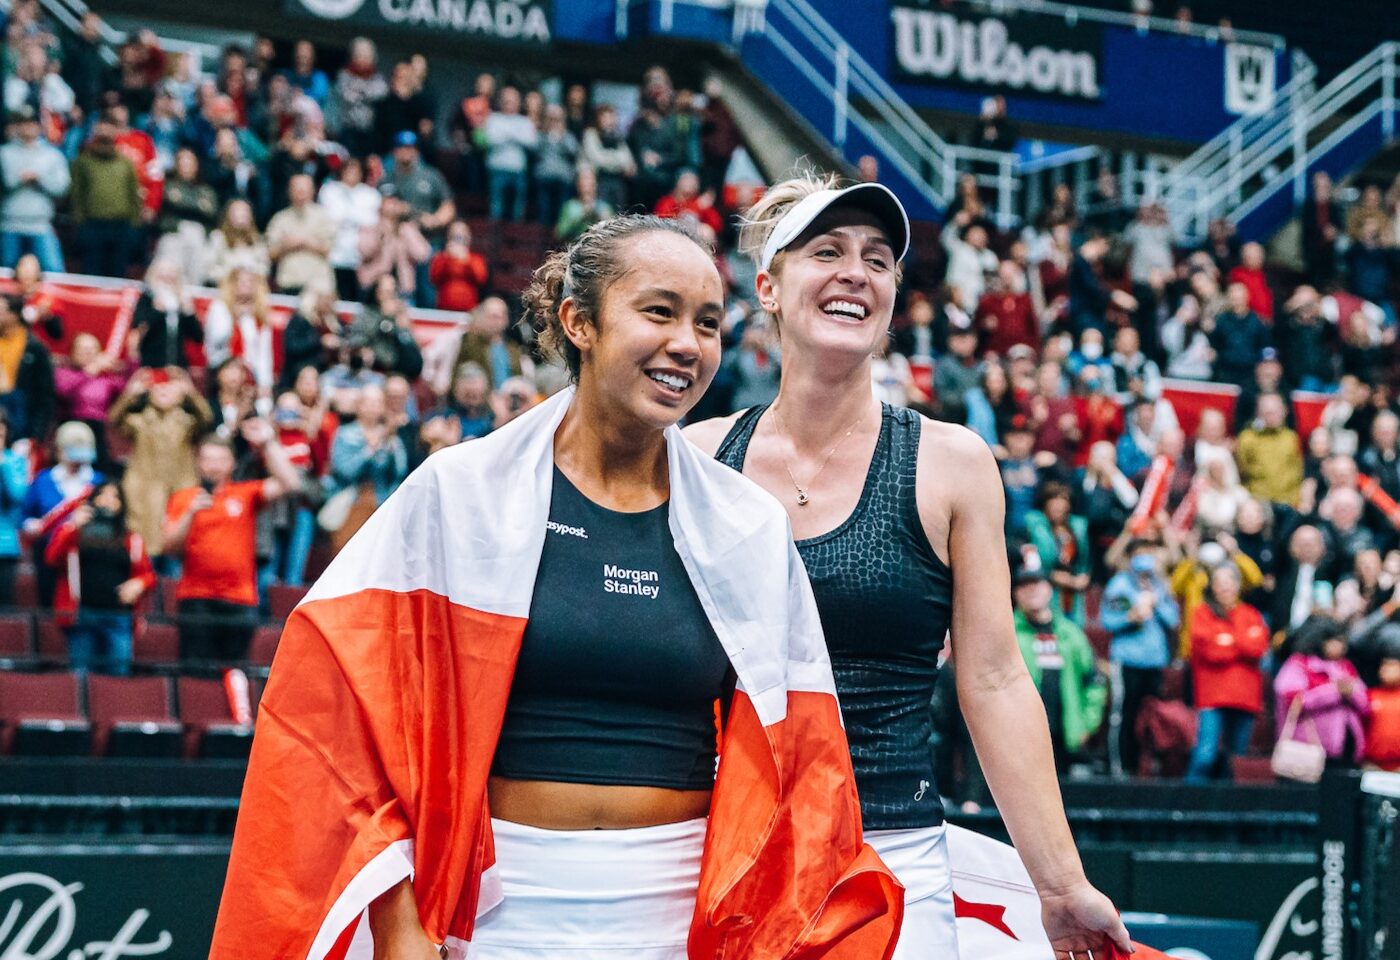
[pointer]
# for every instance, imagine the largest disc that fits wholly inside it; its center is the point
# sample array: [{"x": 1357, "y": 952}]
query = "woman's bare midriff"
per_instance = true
[{"x": 585, "y": 806}]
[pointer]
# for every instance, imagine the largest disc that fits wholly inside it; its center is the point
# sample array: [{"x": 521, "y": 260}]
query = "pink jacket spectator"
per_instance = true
[
  {"x": 86, "y": 397},
  {"x": 1331, "y": 714}
]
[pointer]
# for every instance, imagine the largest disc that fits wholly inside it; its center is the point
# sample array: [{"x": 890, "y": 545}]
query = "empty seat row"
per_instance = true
[
  {"x": 27, "y": 639},
  {"x": 66, "y": 714}
]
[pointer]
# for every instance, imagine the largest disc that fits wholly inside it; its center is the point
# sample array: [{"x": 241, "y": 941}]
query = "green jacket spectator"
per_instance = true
[{"x": 1083, "y": 695}]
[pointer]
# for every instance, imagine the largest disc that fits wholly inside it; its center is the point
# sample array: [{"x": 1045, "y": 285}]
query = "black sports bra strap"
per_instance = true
[{"x": 734, "y": 449}]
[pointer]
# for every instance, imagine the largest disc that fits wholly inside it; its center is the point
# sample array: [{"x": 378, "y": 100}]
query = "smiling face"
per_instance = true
[
  {"x": 834, "y": 287},
  {"x": 654, "y": 348}
]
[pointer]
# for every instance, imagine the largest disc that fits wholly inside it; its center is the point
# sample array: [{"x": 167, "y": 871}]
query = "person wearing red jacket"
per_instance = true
[
  {"x": 1228, "y": 639},
  {"x": 458, "y": 273},
  {"x": 1383, "y": 727},
  {"x": 104, "y": 572},
  {"x": 686, "y": 201},
  {"x": 1250, "y": 272},
  {"x": 138, "y": 147}
]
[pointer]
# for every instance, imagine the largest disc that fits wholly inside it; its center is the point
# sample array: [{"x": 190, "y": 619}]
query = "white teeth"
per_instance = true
[
  {"x": 845, "y": 308},
  {"x": 667, "y": 380}
]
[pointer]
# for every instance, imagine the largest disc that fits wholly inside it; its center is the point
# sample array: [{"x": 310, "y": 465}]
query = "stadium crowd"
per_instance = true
[{"x": 1179, "y": 575}]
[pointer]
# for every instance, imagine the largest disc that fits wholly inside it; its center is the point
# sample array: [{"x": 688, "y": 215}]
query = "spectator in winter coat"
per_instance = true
[
  {"x": 584, "y": 209},
  {"x": 105, "y": 571},
  {"x": 55, "y": 493},
  {"x": 1061, "y": 539},
  {"x": 1320, "y": 683},
  {"x": 1250, "y": 272},
  {"x": 458, "y": 272},
  {"x": 1383, "y": 727},
  {"x": 304, "y": 76},
  {"x": 1140, "y": 616},
  {"x": 1239, "y": 338},
  {"x": 1228, "y": 639},
  {"x": 299, "y": 239},
  {"x": 555, "y": 162},
  {"x": 26, "y": 374},
  {"x": 189, "y": 210},
  {"x": 1322, "y": 225},
  {"x": 163, "y": 324},
  {"x": 1269, "y": 454},
  {"x": 1190, "y": 579},
  {"x": 14, "y": 485},
  {"x": 509, "y": 136},
  {"x": 160, "y": 414},
  {"x": 1061, "y": 663},
  {"x": 35, "y": 176},
  {"x": 392, "y": 247},
  {"x": 105, "y": 202},
  {"x": 607, "y": 153},
  {"x": 353, "y": 205},
  {"x": 86, "y": 388},
  {"x": 358, "y": 87},
  {"x": 686, "y": 201},
  {"x": 970, "y": 262},
  {"x": 1309, "y": 342}
]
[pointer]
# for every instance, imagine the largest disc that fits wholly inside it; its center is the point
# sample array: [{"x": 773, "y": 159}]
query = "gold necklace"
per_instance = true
[{"x": 802, "y": 498}]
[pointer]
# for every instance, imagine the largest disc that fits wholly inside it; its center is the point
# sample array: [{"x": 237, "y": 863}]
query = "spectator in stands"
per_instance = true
[
  {"x": 486, "y": 343},
  {"x": 991, "y": 406},
  {"x": 165, "y": 125},
  {"x": 1322, "y": 223},
  {"x": 970, "y": 261},
  {"x": 1342, "y": 511},
  {"x": 404, "y": 108},
  {"x": 1364, "y": 347},
  {"x": 14, "y": 486},
  {"x": 458, "y": 272},
  {"x": 1250, "y": 272},
  {"x": 1368, "y": 210},
  {"x": 1106, "y": 210},
  {"x": 429, "y": 200},
  {"x": 312, "y": 335},
  {"x": 1322, "y": 685},
  {"x": 1268, "y": 378},
  {"x": 384, "y": 327},
  {"x": 1140, "y": 615},
  {"x": 753, "y": 367},
  {"x": 358, "y": 87},
  {"x": 1309, "y": 342},
  {"x": 55, "y": 493},
  {"x": 163, "y": 324},
  {"x": 353, "y": 205},
  {"x": 237, "y": 170},
  {"x": 1061, "y": 540},
  {"x": 84, "y": 67},
  {"x": 1239, "y": 337},
  {"x": 1383, "y": 725},
  {"x": 105, "y": 202},
  {"x": 607, "y": 153},
  {"x": 35, "y": 177},
  {"x": 719, "y": 136},
  {"x": 189, "y": 209},
  {"x": 213, "y": 527},
  {"x": 1022, "y": 473},
  {"x": 1302, "y": 582},
  {"x": 138, "y": 147},
  {"x": 368, "y": 451},
  {"x": 1061, "y": 664},
  {"x": 237, "y": 243},
  {"x": 1381, "y": 459},
  {"x": 686, "y": 201},
  {"x": 584, "y": 208},
  {"x": 33, "y": 83},
  {"x": 1220, "y": 497},
  {"x": 160, "y": 414},
  {"x": 237, "y": 323},
  {"x": 26, "y": 374},
  {"x": 86, "y": 388},
  {"x": 299, "y": 239},
  {"x": 394, "y": 247},
  {"x": 469, "y": 401},
  {"x": 1151, "y": 237},
  {"x": 1055, "y": 416},
  {"x": 1228, "y": 641},
  {"x": 105, "y": 571},
  {"x": 956, "y": 372},
  {"x": 1370, "y": 264},
  {"x": 293, "y": 519},
  {"x": 440, "y": 430},
  {"x": 1138, "y": 445},
  {"x": 1269, "y": 454},
  {"x": 659, "y": 150},
  {"x": 509, "y": 137},
  {"x": 1005, "y": 315},
  {"x": 1090, "y": 297},
  {"x": 555, "y": 164},
  {"x": 305, "y": 76}
]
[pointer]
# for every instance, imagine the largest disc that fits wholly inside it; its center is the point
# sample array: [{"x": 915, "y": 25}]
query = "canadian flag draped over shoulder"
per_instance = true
[{"x": 381, "y": 715}]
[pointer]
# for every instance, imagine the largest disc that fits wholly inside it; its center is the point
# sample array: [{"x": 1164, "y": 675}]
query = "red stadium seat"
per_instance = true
[
  {"x": 39, "y": 713},
  {"x": 167, "y": 586},
  {"x": 131, "y": 716},
  {"x": 53, "y": 644},
  {"x": 264, "y": 645},
  {"x": 156, "y": 643},
  {"x": 282, "y": 598},
  {"x": 16, "y": 642},
  {"x": 26, "y": 590},
  {"x": 209, "y": 727}
]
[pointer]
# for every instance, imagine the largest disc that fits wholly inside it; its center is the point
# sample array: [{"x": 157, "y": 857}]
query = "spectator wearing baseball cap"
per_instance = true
[{"x": 429, "y": 201}]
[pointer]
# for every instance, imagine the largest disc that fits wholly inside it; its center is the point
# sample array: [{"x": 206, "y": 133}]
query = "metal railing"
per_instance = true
[
  {"x": 70, "y": 13},
  {"x": 1255, "y": 158},
  {"x": 1071, "y": 14}
]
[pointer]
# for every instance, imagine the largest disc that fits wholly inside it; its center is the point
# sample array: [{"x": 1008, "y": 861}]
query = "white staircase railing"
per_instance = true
[{"x": 1257, "y": 156}]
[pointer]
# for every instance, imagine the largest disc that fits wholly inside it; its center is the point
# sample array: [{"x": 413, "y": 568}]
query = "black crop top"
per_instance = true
[
  {"x": 619, "y": 667},
  {"x": 885, "y": 601}
]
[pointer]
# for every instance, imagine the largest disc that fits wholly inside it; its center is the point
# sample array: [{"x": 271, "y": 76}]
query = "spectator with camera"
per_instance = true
[
  {"x": 384, "y": 327},
  {"x": 213, "y": 527}
]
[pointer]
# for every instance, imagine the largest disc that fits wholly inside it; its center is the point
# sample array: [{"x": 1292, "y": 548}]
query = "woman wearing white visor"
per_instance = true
[{"x": 885, "y": 505}]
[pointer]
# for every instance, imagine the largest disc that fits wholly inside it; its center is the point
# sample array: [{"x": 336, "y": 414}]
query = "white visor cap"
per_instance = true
[{"x": 874, "y": 198}]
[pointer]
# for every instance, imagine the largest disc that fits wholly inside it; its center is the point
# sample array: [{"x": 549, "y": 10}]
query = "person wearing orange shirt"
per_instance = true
[
  {"x": 1383, "y": 728},
  {"x": 1228, "y": 639},
  {"x": 214, "y": 526}
]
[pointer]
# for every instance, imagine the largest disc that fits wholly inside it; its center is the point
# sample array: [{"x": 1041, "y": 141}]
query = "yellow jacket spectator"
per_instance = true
[{"x": 1269, "y": 455}]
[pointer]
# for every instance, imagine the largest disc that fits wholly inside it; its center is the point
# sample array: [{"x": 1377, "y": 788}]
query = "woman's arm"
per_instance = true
[
  {"x": 1001, "y": 705},
  {"x": 397, "y": 931}
]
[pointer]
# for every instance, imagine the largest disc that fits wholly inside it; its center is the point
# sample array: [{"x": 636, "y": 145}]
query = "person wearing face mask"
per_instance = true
[
  {"x": 104, "y": 573},
  {"x": 56, "y": 493},
  {"x": 882, "y": 523},
  {"x": 105, "y": 202}
]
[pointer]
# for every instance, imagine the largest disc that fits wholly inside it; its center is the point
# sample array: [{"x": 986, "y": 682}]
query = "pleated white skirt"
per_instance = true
[{"x": 919, "y": 858}]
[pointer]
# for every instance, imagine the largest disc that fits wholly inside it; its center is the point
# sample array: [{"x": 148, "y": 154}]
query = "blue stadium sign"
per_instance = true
[
  {"x": 1011, "y": 55},
  {"x": 512, "y": 21}
]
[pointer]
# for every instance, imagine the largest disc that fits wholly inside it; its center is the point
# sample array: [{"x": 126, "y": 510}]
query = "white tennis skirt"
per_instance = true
[
  {"x": 592, "y": 894},
  {"x": 919, "y": 858}
]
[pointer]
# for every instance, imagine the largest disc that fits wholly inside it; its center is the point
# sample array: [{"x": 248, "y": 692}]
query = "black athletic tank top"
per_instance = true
[
  {"x": 619, "y": 668},
  {"x": 885, "y": 601}
]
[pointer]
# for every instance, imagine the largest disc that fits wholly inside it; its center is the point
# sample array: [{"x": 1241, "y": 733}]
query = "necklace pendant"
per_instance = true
[{"x": 801, "y": 498}]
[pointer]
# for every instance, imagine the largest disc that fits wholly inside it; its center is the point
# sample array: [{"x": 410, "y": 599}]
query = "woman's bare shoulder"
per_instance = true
[{"x": 709, "y": 434}]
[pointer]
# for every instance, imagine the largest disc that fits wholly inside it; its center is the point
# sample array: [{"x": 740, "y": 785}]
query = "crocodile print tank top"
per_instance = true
[{"x": 885, "y": 600}]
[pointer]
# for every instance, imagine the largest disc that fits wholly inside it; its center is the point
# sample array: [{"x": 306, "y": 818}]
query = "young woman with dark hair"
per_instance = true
[{"x": 495, "y": 714}]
